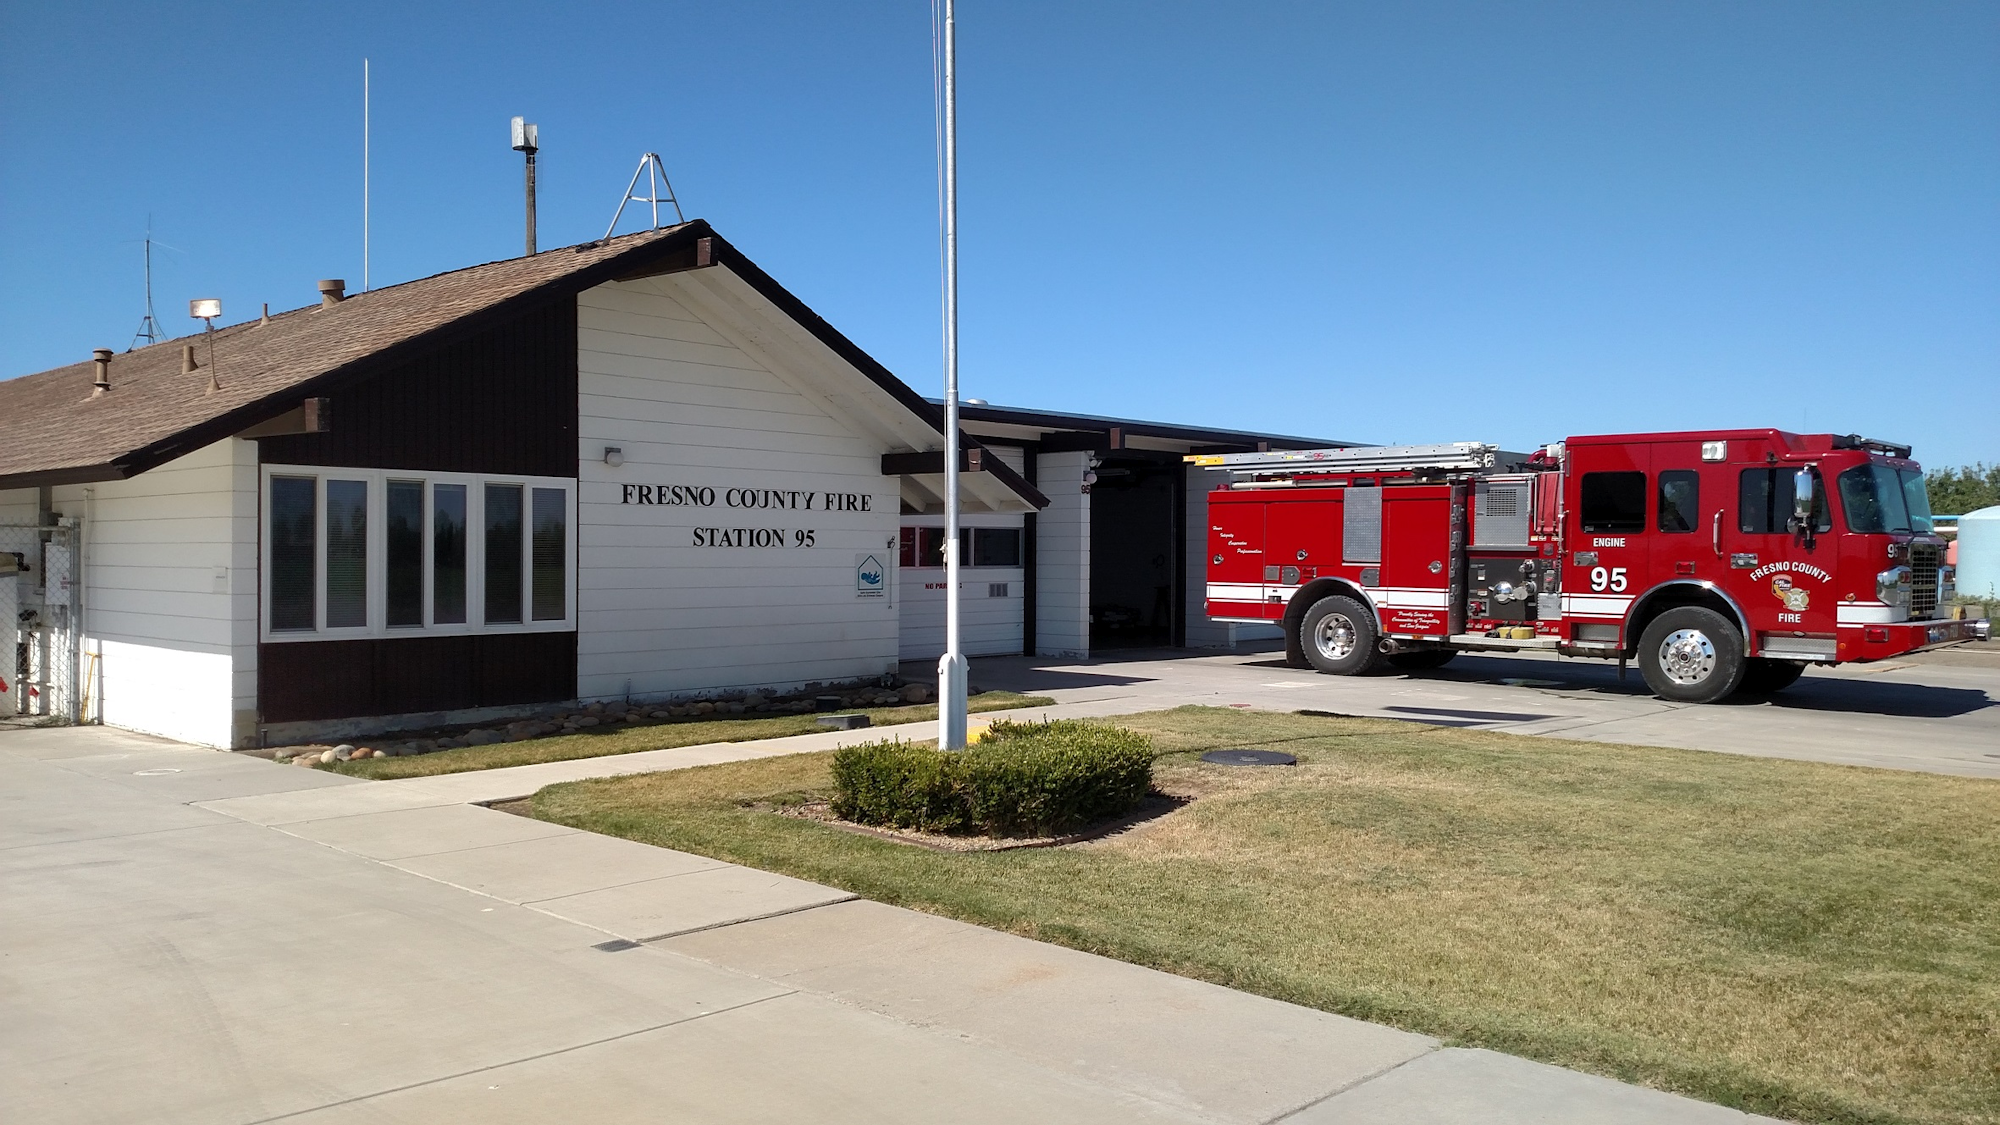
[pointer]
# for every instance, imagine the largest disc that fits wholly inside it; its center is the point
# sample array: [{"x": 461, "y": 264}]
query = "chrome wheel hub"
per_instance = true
[
  {"x": 1687, "y": 656},
  {"x": 1335, "y": 636}
]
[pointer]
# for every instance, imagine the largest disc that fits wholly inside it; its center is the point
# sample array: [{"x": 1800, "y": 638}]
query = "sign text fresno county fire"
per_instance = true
[{"x": 759, "y": 499}]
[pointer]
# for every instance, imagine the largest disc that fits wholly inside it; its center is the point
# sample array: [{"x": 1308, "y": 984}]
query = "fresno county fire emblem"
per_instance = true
[{"x": 1795, "y": 599}]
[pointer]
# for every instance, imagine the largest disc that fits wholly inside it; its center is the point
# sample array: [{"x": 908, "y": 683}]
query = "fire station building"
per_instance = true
[{"x": 638, "y": 468}]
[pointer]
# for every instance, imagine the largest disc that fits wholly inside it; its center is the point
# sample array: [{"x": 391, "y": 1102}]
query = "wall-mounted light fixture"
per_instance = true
[{"x": 614, "y": 456}]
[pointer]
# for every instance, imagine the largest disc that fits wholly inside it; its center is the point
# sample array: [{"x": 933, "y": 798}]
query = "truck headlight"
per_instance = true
[
  {"x": 1947, "y": 583},
  {"x": 1893, "y": 585}
]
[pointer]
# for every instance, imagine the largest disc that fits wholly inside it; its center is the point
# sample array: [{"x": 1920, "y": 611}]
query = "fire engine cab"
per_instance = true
[{"x": 1718, "y": 561}]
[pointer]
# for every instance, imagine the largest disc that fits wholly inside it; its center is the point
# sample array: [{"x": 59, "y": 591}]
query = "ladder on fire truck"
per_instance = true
[{"x": 1462, "y": 456}]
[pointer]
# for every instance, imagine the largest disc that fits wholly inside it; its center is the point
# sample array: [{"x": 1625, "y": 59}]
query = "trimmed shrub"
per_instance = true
[
  {"x": 897, "y": 783},
  {"x": 1021, "y": 779}
]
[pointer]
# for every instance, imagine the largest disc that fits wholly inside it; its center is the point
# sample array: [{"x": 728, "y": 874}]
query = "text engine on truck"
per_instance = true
[{"x": 1718, "y": 562}]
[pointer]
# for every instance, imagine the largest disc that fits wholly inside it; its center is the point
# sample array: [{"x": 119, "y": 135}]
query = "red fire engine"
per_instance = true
[{"x": 1718, "y": 561}]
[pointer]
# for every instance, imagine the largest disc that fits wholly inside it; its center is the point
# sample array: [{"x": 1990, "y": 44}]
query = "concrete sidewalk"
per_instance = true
[{"x": 194, "y": 936}]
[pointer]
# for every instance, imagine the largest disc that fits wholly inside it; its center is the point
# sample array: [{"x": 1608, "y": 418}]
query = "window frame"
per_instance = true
[{"x": 377, "y": 625}]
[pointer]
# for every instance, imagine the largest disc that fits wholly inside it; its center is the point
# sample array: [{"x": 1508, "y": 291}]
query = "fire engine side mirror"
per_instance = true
[{"x": 1802, "y": 504}]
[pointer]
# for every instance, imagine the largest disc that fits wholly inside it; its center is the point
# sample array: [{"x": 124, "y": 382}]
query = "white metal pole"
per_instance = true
[
  {"x": 952, "y": 668},
  {"x": 364, "y": 175}
]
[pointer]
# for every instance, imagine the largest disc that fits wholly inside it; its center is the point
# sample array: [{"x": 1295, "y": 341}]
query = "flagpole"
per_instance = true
[{"x": 952, "y": 669}]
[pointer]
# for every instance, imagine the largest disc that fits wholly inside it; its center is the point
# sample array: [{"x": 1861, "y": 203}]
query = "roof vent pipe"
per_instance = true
[
  {"x": 332, "y": 291},
  {"x": 102, "y": 357},
  {"x": 188, "y": 365}
]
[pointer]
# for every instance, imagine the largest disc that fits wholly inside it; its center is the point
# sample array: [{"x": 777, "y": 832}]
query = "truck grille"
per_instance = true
[{"x": 1924, "y": 560}]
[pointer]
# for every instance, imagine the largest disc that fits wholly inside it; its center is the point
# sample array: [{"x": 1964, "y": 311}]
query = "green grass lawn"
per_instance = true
[
  {"x": 1810, "y": 941},
  {"x": 628, "y": 738}
]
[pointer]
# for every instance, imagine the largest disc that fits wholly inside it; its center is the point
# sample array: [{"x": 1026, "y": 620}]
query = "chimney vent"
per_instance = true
[
  {"x": 102, "y": 357},
  {"x": 188, "y": 365},
  {"x": 332, "y": 291}
]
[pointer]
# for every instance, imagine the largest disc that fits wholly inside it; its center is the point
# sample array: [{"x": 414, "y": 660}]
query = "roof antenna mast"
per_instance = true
[
  {"x": 149, "y": 325},
  {"x": 656, "y": 178}
]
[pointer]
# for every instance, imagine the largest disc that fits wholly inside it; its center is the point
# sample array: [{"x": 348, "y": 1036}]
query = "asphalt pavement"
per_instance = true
[{"x": 1934, "y": 711}]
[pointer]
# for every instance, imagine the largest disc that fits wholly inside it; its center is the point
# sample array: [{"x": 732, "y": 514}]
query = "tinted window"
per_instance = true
[
  {"x": 405, "y": 538},
  {"x": 930, "y": 546},
  {"x": 1764, "y": 502},
  {"x": 346, "y": 554},
  {"x": 503, "y": 554},
  {"x": 996, "y": 546},
  {"x": 448, "y": 554},
  {"x": 1614, "y": 501},
  {"x": 551, "y": 593},
  {"x": 294, "y": 552},
  {"x": 1680, "y": 500}
]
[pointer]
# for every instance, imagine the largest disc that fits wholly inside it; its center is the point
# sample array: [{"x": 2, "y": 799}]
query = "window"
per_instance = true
[
  {"x": 1879, "y": 498},
  {"x": 550, "y": 596},
  {"x": 978, "y": 546},
  {"x": 362, "y": 552},
  {"x": 448, "y": 554},
  {"x": 1614, "y": 501},
  {"x": 294, "y": 566},
  {"x": 1764, "y": 502},
  {"x": 503, "y": 554},
  {"x": 346, "y": 554},
  {"x": 404, "y": 528},
  {"x": 996, "y": 546},
  {"x": 1680, "y": 500}
]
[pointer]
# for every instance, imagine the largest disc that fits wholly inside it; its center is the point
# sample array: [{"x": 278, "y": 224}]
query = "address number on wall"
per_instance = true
[{"x": 753, "y": 537}]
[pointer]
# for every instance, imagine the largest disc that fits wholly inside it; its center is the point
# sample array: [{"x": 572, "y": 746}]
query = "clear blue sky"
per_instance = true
[{"x": 1382, "y": 222}]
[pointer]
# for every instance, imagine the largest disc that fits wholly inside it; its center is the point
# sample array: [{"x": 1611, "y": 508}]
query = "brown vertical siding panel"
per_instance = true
[
  {"x": 313, "y": 680},
  {"x": 503, "y": 401}
]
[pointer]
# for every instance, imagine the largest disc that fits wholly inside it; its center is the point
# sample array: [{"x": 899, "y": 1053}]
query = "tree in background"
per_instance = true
[{"x": 1954, "y": 492}]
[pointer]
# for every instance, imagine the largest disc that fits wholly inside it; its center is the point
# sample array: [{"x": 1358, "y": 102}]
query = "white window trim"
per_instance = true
[{"x": 378, "y": 554}]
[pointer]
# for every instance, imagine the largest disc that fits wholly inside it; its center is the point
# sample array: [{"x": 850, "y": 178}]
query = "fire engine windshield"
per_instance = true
[{"x": 1879, "y": 498}]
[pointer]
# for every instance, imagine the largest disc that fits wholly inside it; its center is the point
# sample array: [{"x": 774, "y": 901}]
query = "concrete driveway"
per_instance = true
[
  {"x": 194, "y": 936},
  {"x": 1935, "y": 711}
]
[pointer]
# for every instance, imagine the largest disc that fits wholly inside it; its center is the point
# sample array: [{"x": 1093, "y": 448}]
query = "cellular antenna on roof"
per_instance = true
[{"x": 656, "y": 176}]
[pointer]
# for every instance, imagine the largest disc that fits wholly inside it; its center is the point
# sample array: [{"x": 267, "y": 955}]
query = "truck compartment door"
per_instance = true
[{"x": 1422, "y": 565}]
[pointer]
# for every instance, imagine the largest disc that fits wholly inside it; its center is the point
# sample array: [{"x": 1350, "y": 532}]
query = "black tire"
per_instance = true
[
  {"x": 1421, "y": 661},
  {"x": 1339, "y": 636},
  {"x": 1763, "y": 677},
  {"x": 1691, "y": 654}
]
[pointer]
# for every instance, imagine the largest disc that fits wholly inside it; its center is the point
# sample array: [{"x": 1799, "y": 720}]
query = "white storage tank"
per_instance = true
[{"x": 1979, "y": 554}]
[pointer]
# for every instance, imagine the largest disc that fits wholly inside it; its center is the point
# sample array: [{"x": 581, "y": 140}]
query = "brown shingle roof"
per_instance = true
[{"x": 52, "y": 430}]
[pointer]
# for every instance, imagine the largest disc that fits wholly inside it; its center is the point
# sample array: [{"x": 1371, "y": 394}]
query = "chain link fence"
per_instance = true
[{"x": 41, "y": 622}]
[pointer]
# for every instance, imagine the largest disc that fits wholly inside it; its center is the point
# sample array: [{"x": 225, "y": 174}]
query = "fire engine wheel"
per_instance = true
[
  {"x": 1691, "y": 655},
  {"x": 1766, "y": 676},
  {"x": 1422, "y": 661},
  {"x": 1338, "y": 635}
]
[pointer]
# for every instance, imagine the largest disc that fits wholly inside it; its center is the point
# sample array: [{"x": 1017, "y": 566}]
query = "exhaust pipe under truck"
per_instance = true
[{"x": 1717, "y": 562}]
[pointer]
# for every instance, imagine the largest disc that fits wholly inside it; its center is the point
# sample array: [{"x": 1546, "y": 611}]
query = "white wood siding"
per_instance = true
[
  {"x": 1062, "y": 558},
  {"x": 659, "y": 616},
  {"x": 170, "y": 595},
  {"x": 17, "y": 506}
]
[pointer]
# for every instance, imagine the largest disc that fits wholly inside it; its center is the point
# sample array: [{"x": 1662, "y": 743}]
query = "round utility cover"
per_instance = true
[{"x": 1249, "y": 758}]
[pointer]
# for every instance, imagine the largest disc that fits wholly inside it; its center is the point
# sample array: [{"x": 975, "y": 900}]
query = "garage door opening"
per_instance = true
[{"x": 1136, "y": 550}]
